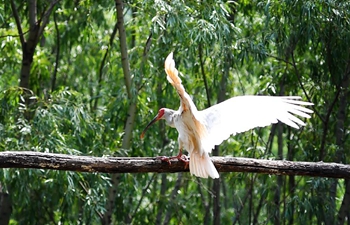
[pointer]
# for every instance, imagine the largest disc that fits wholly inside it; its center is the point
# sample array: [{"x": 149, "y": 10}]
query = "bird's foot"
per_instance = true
[
  {"x": 164, "y": 159},
  {"x": 181, "y": 157}
]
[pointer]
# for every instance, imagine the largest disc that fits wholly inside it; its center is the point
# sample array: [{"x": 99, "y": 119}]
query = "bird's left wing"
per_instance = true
[
  {"x": 243, "y": 113},
  {"x": 174, "y": 79}
]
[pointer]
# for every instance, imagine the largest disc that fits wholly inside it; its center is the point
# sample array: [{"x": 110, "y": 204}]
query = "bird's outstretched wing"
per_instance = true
[
  {"x": 174, "y": 79},
  {"x": 243, "y": 113}
]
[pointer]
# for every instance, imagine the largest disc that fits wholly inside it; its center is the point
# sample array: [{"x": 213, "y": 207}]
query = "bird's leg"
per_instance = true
[{"x": 180, "y": 157}]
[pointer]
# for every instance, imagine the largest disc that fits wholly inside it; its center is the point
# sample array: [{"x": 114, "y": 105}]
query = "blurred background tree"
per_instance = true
[{"x": 84, "y": 77}]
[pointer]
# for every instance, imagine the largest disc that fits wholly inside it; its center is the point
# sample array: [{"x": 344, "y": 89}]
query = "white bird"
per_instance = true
[{"x": 200, "y": 131}]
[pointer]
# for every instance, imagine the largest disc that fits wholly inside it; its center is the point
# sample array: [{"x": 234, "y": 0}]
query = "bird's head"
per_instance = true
[{"x": 163, "y": 113}]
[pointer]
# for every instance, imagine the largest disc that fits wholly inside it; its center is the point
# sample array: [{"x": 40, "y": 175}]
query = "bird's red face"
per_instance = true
[{"x": 155, "y": 119}]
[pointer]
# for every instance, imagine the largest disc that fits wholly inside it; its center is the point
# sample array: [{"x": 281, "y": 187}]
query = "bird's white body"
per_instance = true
[
  {"x": 192, "y": 137},
  {"x": 200, "y": 131}
]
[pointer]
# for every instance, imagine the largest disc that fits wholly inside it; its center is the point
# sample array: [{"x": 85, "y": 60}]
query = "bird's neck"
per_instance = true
[{"x": 170, "y": 117}]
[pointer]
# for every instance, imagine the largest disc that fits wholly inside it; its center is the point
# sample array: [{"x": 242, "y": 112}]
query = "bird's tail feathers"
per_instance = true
[{"x": 202, "y": 166}]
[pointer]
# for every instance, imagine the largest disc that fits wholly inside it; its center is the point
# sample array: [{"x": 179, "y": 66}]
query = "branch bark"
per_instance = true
[{"x": 39, "y": 160}]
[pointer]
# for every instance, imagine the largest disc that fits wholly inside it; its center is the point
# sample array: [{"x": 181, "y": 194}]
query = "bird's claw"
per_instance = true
[
  {"x": 179, "y": 157},
  {"x": 184, "y": 159},
  {"x": 164, "y": 159}
]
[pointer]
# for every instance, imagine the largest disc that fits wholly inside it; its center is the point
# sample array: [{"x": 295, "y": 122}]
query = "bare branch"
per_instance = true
[
  {"x": 39, "y": 160},
  {"x": 14, "y": 35},
  {"x": 201, "y": 62},
  {"x": 172, "y": 198},
  {"x": 302, "y": 86},
  {"x": 144, "y": 192},
  {"x": 102, "y": 65},
  {"x": 54, "y": 76},
  {"x": 280, "y": 59},
  {"x": 18, "y": 22},
  {"x": 45, "y": 17},
  {"x": 123, "y": 47}
]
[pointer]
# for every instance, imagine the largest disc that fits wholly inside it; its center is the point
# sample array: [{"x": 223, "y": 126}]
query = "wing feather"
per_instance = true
[
  {"x": 240, "y": 114},
  {"x": 175, "y": 81},
  {"x": 236, "y": 115},
  {"x": 186, "y": 101}
]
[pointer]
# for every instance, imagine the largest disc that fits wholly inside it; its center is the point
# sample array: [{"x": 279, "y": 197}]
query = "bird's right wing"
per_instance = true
[{"x": 243, "y": 113}]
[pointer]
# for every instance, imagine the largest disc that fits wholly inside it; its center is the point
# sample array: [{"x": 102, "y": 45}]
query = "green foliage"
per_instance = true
[
  {"x": 59, "y": 124},
  {"x": 231, "y": 48}
]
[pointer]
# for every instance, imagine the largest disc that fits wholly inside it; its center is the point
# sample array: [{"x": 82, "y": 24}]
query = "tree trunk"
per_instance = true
[
  {"x": 340, "y": 157},
  {"x": 277, "y": 196},
  {"x": 36, "y": 29},
  {"x": 160, "y": 205},
  {"x": 216, "y": 194},
  {"x": 173, "y": 195},
  {"x": 344, "y": 208},
  {"x": 5, "y": 208},
  {"x": 216, "y": 151},
  {"x": 291, "y": 181},
  {"x": 126, "y": 144}
]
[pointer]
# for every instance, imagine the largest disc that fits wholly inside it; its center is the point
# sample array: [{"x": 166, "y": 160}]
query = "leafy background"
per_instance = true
[{"x": 78, "y": 102}]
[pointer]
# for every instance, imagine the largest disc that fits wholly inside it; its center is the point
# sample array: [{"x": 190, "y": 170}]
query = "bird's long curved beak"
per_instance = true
[{"x": 155, "y": 119}]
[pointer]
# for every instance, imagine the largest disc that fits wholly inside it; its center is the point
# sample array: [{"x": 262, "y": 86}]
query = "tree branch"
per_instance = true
[
  {"x": 45, "y": 18},
  {"x": 102, "y": 65},
  {"x": 294, "y": 64},
  {"x": 123, "y": 47},
  {"x": 18, "y": 22},
  {"x": 201, "y": 63},
  {"x": 58, "y": 47},
  {"x": 39, "y": 160}
]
